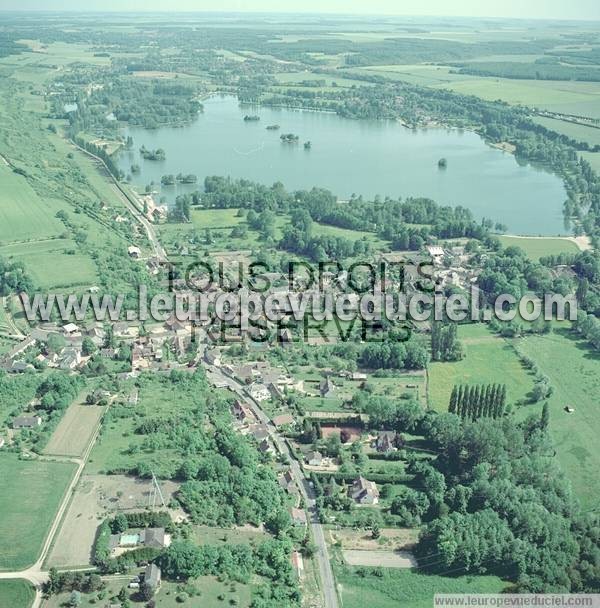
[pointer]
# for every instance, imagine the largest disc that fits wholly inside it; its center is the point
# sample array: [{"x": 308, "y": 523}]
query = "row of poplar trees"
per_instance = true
[{"x": 478, "y": 401}]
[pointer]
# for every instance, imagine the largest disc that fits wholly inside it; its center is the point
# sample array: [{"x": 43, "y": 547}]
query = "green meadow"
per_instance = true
[
  {"x": 31, "y": 494},
  {"x": 489, "y": 359},
  {"x": 16, "y": 593}
]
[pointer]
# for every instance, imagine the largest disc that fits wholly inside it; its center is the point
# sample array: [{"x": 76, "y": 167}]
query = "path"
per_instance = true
[
  {"x": 35, "y": 574},
  {"x": 322, "y": 554}
]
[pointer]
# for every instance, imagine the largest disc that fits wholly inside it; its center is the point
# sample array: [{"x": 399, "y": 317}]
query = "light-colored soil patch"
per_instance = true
[
  {"x": 392, "y": 539},
  {"x": 96, "y": 498},
  {"x": 74, "y": 431},
  {"x": 73, "y": 545},
  {"x": 385, "y": 559}
]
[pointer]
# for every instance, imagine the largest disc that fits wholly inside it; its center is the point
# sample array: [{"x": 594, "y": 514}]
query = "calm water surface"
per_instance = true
[{"x": 353, "y": 156}]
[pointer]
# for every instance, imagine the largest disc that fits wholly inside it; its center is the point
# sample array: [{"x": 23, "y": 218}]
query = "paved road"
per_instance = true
[{"x": 322, "y": 554}]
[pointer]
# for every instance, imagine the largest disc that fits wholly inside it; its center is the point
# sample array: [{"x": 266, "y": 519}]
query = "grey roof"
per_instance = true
[
  {"x": 152, "y": 575},
  {"x": 154, "y": 537}
]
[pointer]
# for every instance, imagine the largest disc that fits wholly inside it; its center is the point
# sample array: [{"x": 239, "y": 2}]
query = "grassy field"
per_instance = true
[
  {"x": 74, "y": 431},
  {"x": 580, "y": 98},
  {"x": 53, "y": 263},
  {"x": 23, "y": 214},
  {"x": 535, "y": 248},
  {"x": 403, "y": 587},
  {"x": 31, "y": 493},
  {"x": 593, "y": 158},
  {"x": 572, "y": 367},
  {"x": 16, "y": 593},
  {"x": 488, "y": 359},
  {"x": 583, "y": 133}
]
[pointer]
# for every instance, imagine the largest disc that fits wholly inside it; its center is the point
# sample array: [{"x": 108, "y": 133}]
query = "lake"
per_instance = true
[{"x": 353, "y": 156}]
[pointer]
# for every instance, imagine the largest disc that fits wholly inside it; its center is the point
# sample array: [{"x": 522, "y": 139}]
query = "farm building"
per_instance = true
[
  {"x": 152, "y": 577},
  {"x": 26, "y": 422},
  {"x": 364, "y": 492}
]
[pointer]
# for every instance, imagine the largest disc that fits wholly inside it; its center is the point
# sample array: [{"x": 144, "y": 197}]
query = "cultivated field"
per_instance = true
[
  {"x": 488, "y": 359},
  {"x": 74, "y": 431},
  {"x": 31, "y": 493},
  {"x": 16, "y": 593},
  {"x": 572, "y": 367}
]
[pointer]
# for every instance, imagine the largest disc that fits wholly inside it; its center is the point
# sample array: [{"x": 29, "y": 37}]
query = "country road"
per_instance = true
[
  {"x": 322, "y": 554},
  {"x": 35, "y": 573},
  {"x": 122, "y": 195}
]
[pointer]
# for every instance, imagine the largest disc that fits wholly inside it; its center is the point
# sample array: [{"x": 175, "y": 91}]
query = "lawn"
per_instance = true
[
  {"x": 215, "y": 218},
  {"x": 31, "y": 494},
  {"x": 209, "y": 588},
  {"x": 572, "y": 367},
  {"x": 535, "y": 248},
  {"x": 489, "y": 359},
  {"x": 16, "y": 593},
  {"x": 404, "y": 587}
]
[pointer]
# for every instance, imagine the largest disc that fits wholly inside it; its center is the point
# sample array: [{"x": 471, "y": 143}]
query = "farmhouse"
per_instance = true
[
  {"x": 298, "y": 516},
  {"x": 283, "y": 420},
  {"x": 364, "y": 492},
  {"x": 213, "y": 357},
  {"x": 70, "y": 358},
  {"x": 26, "y": 422},
  {"x": 314, "y": 459},
  {"x": 134, "y": 252},
  {"x": 152, "y": 577},
  {"x": 326, "y": 387},
  {"x": 387, "y": 441}
]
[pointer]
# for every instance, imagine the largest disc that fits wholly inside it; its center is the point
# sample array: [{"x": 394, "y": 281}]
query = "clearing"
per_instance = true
[{"x": 538, "y": 247}]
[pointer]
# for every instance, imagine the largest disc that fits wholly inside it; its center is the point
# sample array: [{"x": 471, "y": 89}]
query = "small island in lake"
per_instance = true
[
  {"x": 289, "y": 138},
  {"x": 442, "y": 163},
  {"x": 273, "y": 127},
  {"x": 251, "y": 118},
  {"x": 158, "y": 154},
  {"x": 307, "y": 145}
]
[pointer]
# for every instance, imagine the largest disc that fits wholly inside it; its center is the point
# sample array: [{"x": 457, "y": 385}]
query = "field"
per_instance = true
[
  {"x": 572, "y": 367},
  {"x": 404, "y": 587},
  {"x": 73, "y": 433},
  {"x": 24, "y": 216},
  {"x": 16, "y": 593},
  {"x": 579, "y": 98},
  {"x": 489, "y": 359},
  {"x": 31, "y": 494},
  {"x": 535, "y": 248},
  {"x": 53, "y": 263},
  {"x": 583, "y": 133}
]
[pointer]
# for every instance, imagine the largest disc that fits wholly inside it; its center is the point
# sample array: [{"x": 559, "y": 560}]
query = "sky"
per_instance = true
[{"x": 542, "y": 9}]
